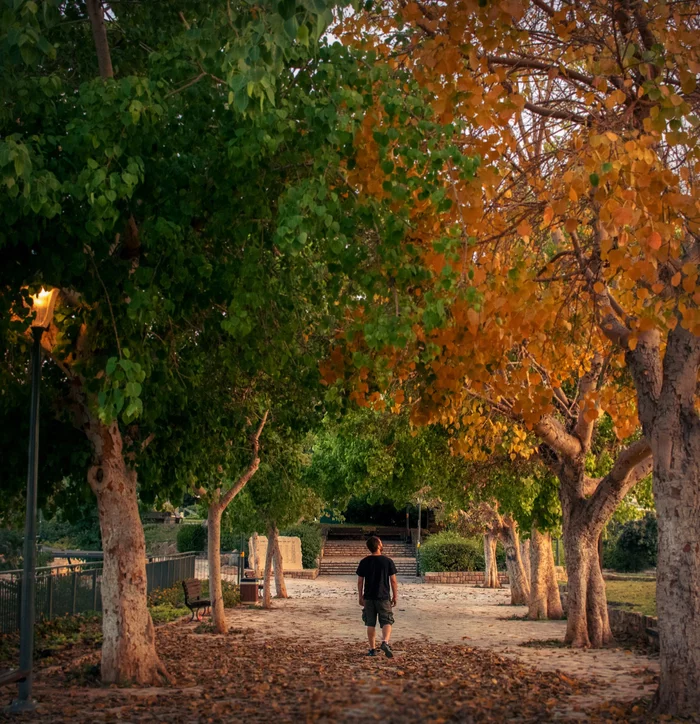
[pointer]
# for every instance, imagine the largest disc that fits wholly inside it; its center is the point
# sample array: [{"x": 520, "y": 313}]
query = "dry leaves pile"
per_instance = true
[{"x": 243, "y": 677}]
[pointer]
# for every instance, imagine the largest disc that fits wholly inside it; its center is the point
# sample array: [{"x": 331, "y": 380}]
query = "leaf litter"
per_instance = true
[{"x": 244, "y": 677}]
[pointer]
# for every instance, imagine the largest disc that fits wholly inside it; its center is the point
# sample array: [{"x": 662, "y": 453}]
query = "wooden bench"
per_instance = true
[{"x": 193, "y": 591}]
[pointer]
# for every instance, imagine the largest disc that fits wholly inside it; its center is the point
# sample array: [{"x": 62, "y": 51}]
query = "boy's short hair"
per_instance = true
[{"x": 373, "y": 543}]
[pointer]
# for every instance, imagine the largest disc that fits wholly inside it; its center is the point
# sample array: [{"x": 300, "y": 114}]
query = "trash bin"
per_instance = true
[{"x": 249, "y": 590}]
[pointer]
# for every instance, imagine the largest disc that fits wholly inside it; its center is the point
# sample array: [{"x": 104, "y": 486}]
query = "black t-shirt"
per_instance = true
[{"x": 376, "y": 570}]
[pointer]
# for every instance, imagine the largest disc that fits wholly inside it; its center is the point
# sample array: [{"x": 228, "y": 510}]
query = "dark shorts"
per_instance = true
[{"x": 373, "y": 609}]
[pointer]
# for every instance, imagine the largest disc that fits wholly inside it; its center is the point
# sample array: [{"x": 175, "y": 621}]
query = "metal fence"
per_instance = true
[{"x": 77, "y": 588}]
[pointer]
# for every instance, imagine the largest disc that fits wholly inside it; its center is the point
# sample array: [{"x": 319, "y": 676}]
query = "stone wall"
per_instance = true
[
  {"x": 628, "y": 625},
  {"x": 290, "y": 548},
  {"x": 469, "y": 577},
  {"x": 308, "y": 573}
]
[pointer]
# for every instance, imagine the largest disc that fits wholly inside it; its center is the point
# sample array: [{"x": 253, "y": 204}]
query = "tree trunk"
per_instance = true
[
  {"x": 267, "y": 587},
  {"x": 491, "y": 569},
  {"x": 128, "y": 644},
  {"x": 587, "y": 608},
  {"x": 216, "y": 595},
  {"x": 545, "y": 601},
  {"x": 677, "y": 494},
  {"x": 525, "y": 557},
  {"x": 519, "y": 587},
  {"x": 280, "y": 587}
]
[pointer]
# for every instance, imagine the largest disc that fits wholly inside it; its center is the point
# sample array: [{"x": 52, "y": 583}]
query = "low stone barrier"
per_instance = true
[
  {"x": 468, "y": 577},
  {"x": 628, "y": 624},
  {"x": 307, "y": 573}
]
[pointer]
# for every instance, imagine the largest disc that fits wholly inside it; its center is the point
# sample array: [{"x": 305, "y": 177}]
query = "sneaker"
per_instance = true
[
  {"x": 387, "y": 650},
  {"x": 372, "y": 652}
]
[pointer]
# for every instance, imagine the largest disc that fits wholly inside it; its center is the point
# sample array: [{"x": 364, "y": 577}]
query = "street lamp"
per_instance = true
[{"x": 43, "y": 305}]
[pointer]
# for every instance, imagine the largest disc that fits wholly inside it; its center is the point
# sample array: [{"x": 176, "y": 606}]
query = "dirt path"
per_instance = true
[{"x": 327, "y": 607}]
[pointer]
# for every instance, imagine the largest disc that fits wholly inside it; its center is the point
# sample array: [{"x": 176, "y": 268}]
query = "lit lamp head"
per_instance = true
[{"x": 43, "y": 305}]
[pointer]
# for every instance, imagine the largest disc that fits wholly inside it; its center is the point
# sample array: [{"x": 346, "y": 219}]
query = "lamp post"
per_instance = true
[{"x": 43, "y": 304}]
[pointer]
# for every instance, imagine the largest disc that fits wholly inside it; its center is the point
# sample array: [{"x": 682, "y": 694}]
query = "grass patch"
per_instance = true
[
  {"x": 166, "y": 612},
  {"x": 638, "y": 596}
]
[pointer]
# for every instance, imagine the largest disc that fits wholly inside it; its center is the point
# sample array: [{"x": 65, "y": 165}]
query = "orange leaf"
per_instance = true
[{"x": 654, "y": 240}]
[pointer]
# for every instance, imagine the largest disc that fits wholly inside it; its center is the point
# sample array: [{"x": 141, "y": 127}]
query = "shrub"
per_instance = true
[
  {"x": 635, "y": 547},
  {"x": 174, "y": 597},
  {"x": 231, "y": 541},
  {"x": 165, "y": 612},
  {"x": 449, "y": 551},
  {"x": 191, "y": 538},
  {"x": 83, "y": 534},
  {"x": 310, "y": 535}
]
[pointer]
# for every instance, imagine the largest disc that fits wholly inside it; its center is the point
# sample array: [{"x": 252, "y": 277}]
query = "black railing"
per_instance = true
[{"x": 62, "y": 590}]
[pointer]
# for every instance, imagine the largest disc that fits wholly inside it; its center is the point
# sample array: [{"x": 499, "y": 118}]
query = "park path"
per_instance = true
[{"x": 456, "y": 614}]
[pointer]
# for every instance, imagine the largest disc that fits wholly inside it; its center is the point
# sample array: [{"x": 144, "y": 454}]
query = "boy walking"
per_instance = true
[{"x": 375, "y": 575}]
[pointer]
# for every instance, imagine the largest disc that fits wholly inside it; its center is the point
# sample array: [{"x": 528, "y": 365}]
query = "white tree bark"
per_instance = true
[
  {"x": 216, "y": 595},
  {"x": 491, "y": 579},
  {"x": 545, "y": 602},
  {"x": 525, "y": 557},
  {"x": 267, "y": 583},
  {"x": 274, "y": 539},
  {"x": 519, "y": 586},
  {"x": 128, "y": 643},
  {"x": 217, "y": 505}
]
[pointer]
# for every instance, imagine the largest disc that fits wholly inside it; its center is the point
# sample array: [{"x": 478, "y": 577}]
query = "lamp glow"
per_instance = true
[{"x": 43, "y": 304}]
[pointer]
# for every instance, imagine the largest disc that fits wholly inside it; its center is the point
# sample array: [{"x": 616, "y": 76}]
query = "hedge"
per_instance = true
[
  {"x": 310, "y": 535},
  {"x": 633, "y": 546},
  {"x": 451, "y": 552},
  {"x": 191, "y": 538}
]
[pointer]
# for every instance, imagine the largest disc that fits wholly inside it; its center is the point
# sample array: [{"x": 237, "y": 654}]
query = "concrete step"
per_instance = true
[
  {"x": 348, "y": 566},
  {"x": 361, "y": 551}
]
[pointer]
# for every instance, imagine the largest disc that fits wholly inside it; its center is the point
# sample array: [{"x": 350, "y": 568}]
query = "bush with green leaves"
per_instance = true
[
  {"x": 83, "y": 533},
  {"x": 634, "y": 547},
  {"x": 174, "y": 597},
  {"x": 191, "y": 538},
  {"x": 310, "y": 535},
  {"x": 450, "y": 551}
]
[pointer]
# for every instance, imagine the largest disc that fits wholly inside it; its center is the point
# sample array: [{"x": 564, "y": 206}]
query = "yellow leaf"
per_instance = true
[
  {"x": 548, "y": 215},
  {"x": 676, "y": 279},
  {"x": 572, "y": 194},
  {"x": 599, "y": 287},
  {"x": 632, "y": 343}
]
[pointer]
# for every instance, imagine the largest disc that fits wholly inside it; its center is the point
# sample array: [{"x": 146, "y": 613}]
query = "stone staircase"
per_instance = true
[{"x": 340, "y": 557}]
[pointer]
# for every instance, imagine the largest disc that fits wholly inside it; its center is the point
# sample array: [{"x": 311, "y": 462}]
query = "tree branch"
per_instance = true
[
  {"x": 99, "y": 35},
  {"x": 517, "y": 62},
  {"x": 252, "y": 468},
  {"x": 589, "y": 383},
  {"x": 553, "y": 433},
  {"x": 632, "y": 465}
]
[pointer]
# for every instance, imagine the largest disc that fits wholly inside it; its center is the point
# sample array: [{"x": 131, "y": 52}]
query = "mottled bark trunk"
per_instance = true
[
  {"x": 587, "y": 622},
  {"x": 280, "y": 587},
  {"x": 525, "y": 558},
  {"x": 128, "y": 644},
  {"x": 519, "y": 587},
  {"x": 666, "y": 400},
  {"x": 545, "y": 601},
  {"x": 491, "y": 569},
  {"x": 267, "y": 585},
  {"x": 677, "y": 494},
  {"x": 216, "y": 595}
]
